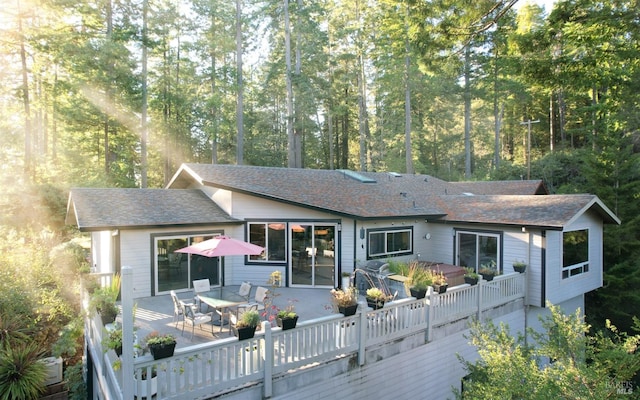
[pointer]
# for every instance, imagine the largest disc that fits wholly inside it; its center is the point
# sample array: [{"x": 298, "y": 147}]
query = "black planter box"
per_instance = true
[
  {"x": 347, "y": 311},
  {"x": 471, "y": 281},
  {"x": 287, "y": 323},
  {"x": 440, "y": 288},
  {"x": 375, "y": 304},
  {"x": 162, "y": 351},
  {"x": 418, "y": 294},
  {"x": 245, "y": 332}
]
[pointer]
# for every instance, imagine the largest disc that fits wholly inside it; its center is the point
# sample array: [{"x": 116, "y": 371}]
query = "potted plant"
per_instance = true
[
  {"x": 287, "y": 318},
  {"x": 418, "y": 280},
  {"x": 487, "y": 273},
  {"x": 246, "y": 326},
  {"x": 346, "y": 300},
  {"x": 519, "y": 266},
  {"x": 113, "y": 340},
  {"x": 160, "y": 346},
  {"x": 439, "y": 282},
  {"x": 470, "y": 276},
  {"x": 376, "y": 298},
  {"x": 104, "y": 300}
]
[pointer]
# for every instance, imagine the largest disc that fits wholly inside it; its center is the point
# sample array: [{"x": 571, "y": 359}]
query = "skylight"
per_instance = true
[{"x": 357, "y": 176}]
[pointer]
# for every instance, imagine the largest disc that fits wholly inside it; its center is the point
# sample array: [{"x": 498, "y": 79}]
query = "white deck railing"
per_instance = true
[{"x": 213, "y": 367}]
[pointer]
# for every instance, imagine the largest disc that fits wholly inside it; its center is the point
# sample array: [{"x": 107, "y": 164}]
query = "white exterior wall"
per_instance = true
[
  {"x": 102, "y": 251},
  {"x": 559, "y": 290}
]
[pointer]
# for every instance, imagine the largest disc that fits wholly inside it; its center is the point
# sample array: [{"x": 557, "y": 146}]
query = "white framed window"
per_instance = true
[
  {"x": 271, "y": 236},
  {"x": 575, "y": 253},
  {"x": 386, "y": 242},
  {"x": 479, "y": 250}
]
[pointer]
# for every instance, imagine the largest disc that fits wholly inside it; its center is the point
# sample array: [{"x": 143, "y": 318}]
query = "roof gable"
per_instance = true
[{"x": 101, "y": 209}]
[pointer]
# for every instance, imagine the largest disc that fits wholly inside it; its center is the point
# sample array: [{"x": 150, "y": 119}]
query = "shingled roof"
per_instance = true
[
  {"x": 102, "y": 209},
  {"x": 551, "y": 212},
  {"x": 362, "y": 195}
]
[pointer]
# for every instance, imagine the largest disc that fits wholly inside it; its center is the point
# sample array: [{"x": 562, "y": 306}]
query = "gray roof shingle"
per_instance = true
[
  {"x": 99, "y": 209},
  {"x": 390, "y": 195}
]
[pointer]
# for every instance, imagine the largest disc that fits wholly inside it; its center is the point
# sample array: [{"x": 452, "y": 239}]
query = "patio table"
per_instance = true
[{"x": 219, "y": 304}]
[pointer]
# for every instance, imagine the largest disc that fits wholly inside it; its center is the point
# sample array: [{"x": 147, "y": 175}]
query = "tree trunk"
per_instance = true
[
  {"x": 28, "y": 155},
  {"x": 240, "y": 104},
  {"x": 467, "y": 112},
  {"x": 143, "y": 118},
  {"x": 407, "y": 111},
  {"x": 292, "y": 159}
]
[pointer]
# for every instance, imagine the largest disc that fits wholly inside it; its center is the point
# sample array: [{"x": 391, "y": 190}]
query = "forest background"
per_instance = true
[{"x": 115, "y": 93}]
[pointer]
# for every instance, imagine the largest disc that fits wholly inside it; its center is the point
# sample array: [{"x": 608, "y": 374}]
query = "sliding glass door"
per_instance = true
[
  {"x": 177, "y": 271},
  {"x": 313, "y": 254}
]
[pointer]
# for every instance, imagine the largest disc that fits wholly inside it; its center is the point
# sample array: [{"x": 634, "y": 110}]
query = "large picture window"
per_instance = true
[
  {"x": 271, "y": 236},
  {"x": 390, "y": 242},
  {"x": 479, "y": 250},
  {"x": 575, "y": 253}
]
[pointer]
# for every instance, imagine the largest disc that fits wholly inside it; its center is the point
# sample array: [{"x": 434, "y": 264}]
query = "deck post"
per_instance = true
[
  {"x": 268, "y": 359},
  {"x": 126, "y": 287},
  {"x": 362, "y": 345}
]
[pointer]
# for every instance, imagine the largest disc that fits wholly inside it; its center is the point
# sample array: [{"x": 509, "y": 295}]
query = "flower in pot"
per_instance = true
[
  {"x": 439, "y": 282},
  {"x": 519, "y": 266},
  {"x": 376, "y": 298},
  {"x": 346, "y": 300},
  {"x": 288, "y": 318},
  {"x": 470, "y": 276},
  {"x": 160, "y": 346},
  {"x": 113, "y": 340},
  {"x": 247, "y": 324}
]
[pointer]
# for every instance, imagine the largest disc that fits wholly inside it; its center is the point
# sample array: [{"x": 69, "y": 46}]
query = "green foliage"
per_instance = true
[
  {"x": 73, "y": 374},
  {"x": 561, "y": 361},
  {"x": 22, "y": 375},
  {"x": 250, "y": 319}
]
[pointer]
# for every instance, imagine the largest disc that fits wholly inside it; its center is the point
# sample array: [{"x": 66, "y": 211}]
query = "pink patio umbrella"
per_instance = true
[{"x": 222, "y": 246}]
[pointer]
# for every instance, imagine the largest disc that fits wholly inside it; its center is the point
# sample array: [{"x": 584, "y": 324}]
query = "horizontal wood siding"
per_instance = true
[
  {"x": 560, "y": 290},
  {"x": 440, "y": 246}
]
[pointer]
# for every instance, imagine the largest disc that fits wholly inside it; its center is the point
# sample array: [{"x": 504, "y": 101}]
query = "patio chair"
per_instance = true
[
  {"x": 177, "y": 308},
  {"x": 236, "y": 315},
  {"x": 194, "y": 318},
  {"x": 200, "y": 286},
  {"x": 261, "y": 294},
  {"x": 244, "y": 292}
]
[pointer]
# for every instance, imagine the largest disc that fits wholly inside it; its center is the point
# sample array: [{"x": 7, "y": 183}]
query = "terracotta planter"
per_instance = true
[
  {"x": 375, "y": 304},
  {"x": 418, "y": 294},
  {"x": 245, "y": 332},
  {"x": 349, "y": 310},
  {"x": 287, "y": 323},
  {"x": 162, "y": 351}
]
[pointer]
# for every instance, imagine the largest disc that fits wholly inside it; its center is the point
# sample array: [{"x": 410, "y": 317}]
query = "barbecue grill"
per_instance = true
[{"x": 377, "y": 271}]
